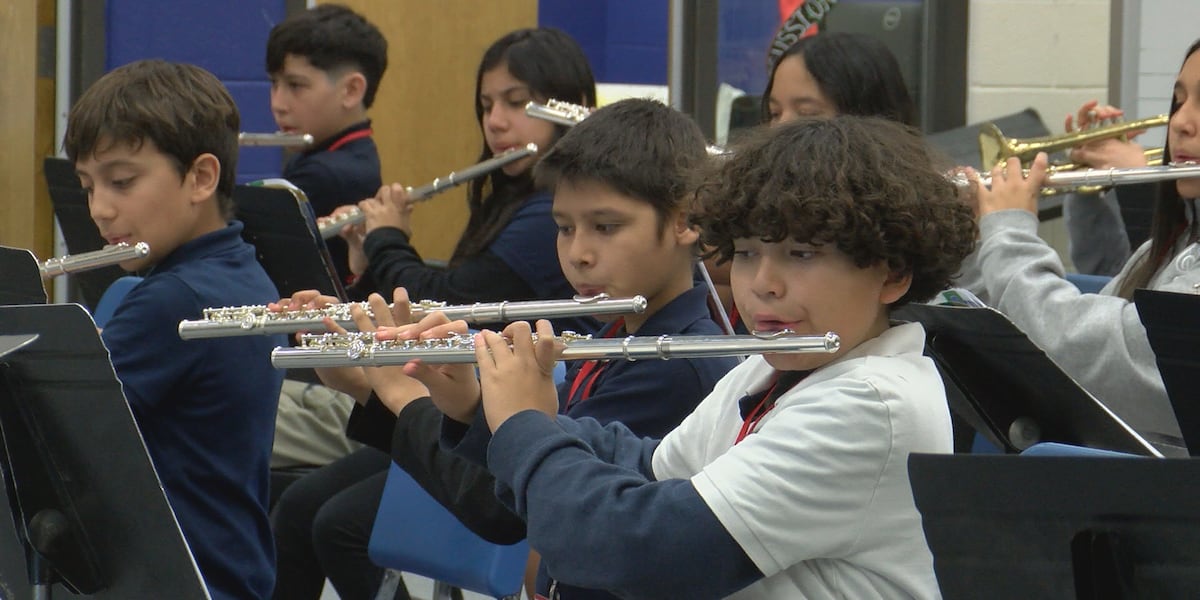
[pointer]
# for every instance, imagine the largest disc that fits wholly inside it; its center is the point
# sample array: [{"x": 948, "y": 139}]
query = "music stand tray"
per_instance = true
[
  {"x": 1060, "y": 527},
  {"x": 80, "y": 484},
  {"x": 22, "y": 281},
  {"x": 1172, "y": 322},
  {"x": 1011, "y": 388}
]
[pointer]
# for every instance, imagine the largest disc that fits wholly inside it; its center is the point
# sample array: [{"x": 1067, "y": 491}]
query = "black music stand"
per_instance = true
[
  {"x": 1011, "y": 392},
  {"x": 281, "y": 227},
  {"x": 1060, "y": 527},
  {"x": 88, "y": 509},
  {"x": 1172, "y": 322},
  {"x": 278, "y": 223},
  {"x": 22, "y": 280}
]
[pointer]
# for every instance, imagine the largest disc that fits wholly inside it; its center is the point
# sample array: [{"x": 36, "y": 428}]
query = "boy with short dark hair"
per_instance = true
[
  {"x": 155, "y": 146},
  {"x": 790, "y": 480},
  {"x": 620, "y": 183},
  {"x": 325, "y": 65}
]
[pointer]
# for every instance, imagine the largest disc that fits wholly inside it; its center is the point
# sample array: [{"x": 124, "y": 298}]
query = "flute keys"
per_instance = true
[
  {"x": 356, "y": 349},
  {"x": 248, "y": 321}
]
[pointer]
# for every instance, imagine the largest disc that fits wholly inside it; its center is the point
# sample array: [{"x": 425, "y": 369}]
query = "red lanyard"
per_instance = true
[
  {"x": 756, "y": 415},
  {"x": 350, "y": 137},
  {"x": 590, "y": 371}
]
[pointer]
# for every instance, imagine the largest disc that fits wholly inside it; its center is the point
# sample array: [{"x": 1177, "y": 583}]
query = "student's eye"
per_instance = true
[
  {"x": 565, "y": 230},
  {"x": 487, "y": 108},
  {"x": 803, "y": 254},
  {"x": 743, "y": 254},
  {"x": 773, "y": 117},
  {"x": 607, "y": 228},
  {"x": 122, "y": 184}
]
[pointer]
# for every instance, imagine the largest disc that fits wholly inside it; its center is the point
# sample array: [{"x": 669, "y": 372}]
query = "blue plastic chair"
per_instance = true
[
  {"x": 1088, "y": 284},
  {"x": 1058, "y": 449},
  {"x": 415, "y": 534},
  {"x": 112, "y": 298}
]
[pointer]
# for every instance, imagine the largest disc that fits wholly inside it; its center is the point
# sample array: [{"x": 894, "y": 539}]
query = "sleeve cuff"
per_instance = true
[
  {"x": 372, "y": 424},
  {"x": 468, "y": 441},
  {"x": 521, "y": 436}
]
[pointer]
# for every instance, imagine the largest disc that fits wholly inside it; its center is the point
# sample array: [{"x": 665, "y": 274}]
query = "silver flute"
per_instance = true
[
  {"x": 1102, "y": 177},
  {"x": 258, "y": 320},
  {"x": 106, "y": 257},
  {"x": 363, "y": 350},
  {"x": 570, "y": 115},
  {"x": 286, "y": 140},
  {"x": 330, "y": 226}
]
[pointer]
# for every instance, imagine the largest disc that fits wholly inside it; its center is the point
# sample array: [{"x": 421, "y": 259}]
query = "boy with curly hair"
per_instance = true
[{"x": 790, "y": 479}]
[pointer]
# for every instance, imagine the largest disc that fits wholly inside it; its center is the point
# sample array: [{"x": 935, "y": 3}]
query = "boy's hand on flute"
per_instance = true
[
  {"x": 519, "y": 376},
  {"x": 395, "y": 389},
  {"x": 453, "y": 388}
]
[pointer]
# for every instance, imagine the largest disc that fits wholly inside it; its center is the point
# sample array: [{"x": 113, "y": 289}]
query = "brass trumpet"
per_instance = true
[{"x": 994, "y": 148}]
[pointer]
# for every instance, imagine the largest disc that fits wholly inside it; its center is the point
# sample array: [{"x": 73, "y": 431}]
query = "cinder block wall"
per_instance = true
[
  {"x": 1048, "y": 54},
  {"x": 1051, "y": 55}
]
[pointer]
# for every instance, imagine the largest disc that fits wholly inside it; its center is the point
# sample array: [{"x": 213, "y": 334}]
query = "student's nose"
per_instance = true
[
  {"x": 579, "y": 253},
  {"x": 496, "y": 119},
  {"x": 278, "y": 105},
  {"x": 100, "y": 207},
  {"x": 766, "y": 281},
  {"x": 1184, "y": 122}
]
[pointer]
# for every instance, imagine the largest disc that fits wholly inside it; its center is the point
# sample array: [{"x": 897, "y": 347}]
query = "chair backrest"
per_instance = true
[
  {"x": 415, "y": 534},
  {"x": 1057, "y": 449},
  {"x": 112, "y": 297}
]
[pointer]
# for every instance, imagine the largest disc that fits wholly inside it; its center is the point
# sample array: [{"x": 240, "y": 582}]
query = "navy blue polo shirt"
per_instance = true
[
  {"x": 650, "y": 397},
  {"x": 206, "y": 408},
  {"x": 341, "y": 170}
]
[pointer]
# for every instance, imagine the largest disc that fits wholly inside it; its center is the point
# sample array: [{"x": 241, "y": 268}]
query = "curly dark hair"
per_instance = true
[{"x": 864, "y": 184}]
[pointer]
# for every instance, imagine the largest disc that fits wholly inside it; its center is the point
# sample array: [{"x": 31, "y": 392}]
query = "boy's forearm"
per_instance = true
[
  {"x": 643, "y": 538},
  {"x": 464, "y": 488}
]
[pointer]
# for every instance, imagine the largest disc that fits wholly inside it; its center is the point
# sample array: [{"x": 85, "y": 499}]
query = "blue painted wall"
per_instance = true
[
  {"x": 227, "y": 37},
  {"x": 626, "y": 40}
]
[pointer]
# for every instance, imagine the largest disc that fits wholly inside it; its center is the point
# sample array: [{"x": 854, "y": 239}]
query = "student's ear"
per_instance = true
[
  {"x": 354, "y": 88},
  {"x": 685, "y": 234},
  {"x": 895, "y": 287},
  {"x": 204, "y": 176}
]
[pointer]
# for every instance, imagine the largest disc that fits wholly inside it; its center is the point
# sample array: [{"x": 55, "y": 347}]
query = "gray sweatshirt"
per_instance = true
[
  {"x": 1097, "y": 339},
  {"x": 1098, "y": 244}
]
